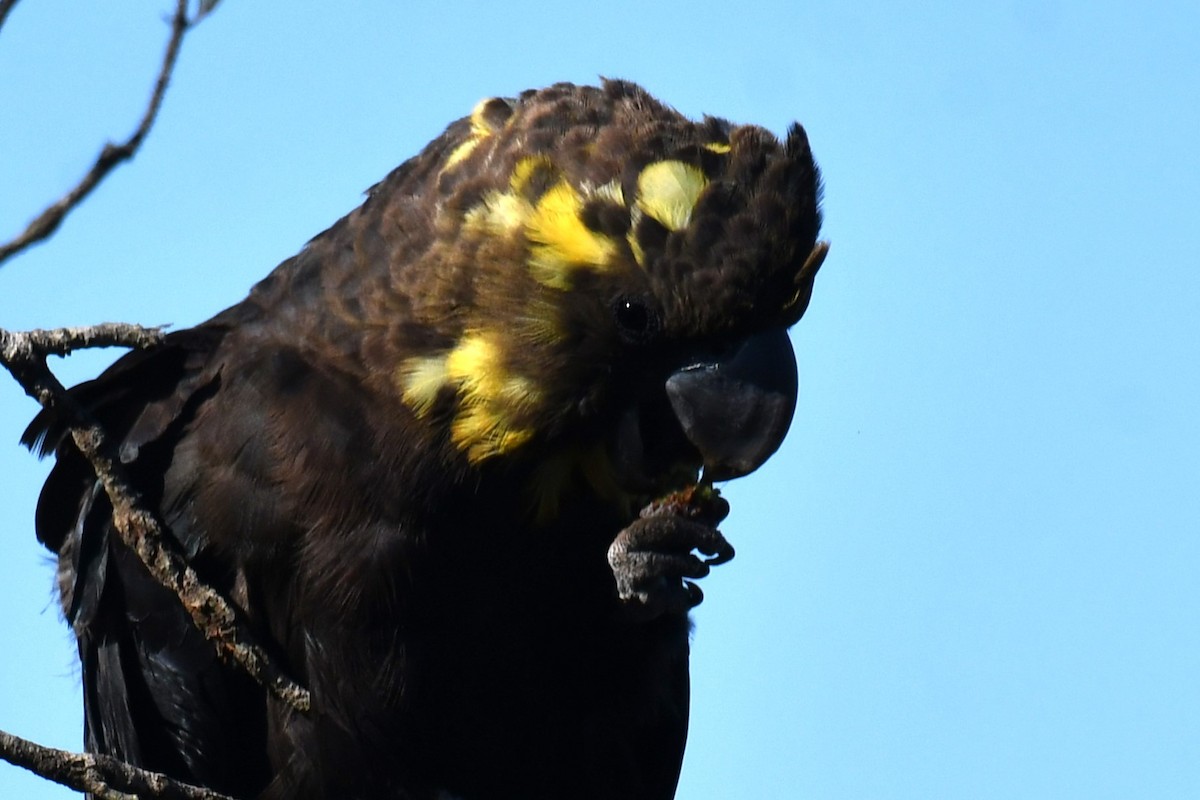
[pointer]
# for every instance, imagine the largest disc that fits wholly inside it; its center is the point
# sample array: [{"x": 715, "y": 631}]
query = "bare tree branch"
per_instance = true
[
  {"x": 105, "y": 777},
  {"x": 24, "y": 355},
  {"x": 22, "y": 347},
  {"x": 113, "y": 154}
]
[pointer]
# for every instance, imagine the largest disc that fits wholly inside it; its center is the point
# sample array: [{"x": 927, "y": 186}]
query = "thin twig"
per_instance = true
[
  {"x": 5, "y": 7},
  {"x": 24, "y": 355},
  {"x": 104, "y": 776},
  {"x": 112, "y": 154}
]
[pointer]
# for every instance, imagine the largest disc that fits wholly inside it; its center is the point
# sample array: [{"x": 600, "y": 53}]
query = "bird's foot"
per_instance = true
[{"x": 652, "y": 559}]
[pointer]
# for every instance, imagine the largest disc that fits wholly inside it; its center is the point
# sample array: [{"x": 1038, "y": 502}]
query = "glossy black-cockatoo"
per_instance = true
[{"x": 416, "y": 454}]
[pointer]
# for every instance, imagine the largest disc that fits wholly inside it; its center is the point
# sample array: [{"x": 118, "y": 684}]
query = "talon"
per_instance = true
[
  {"x": 654, "y": 562},
  {"x": 724, "y": 553}
]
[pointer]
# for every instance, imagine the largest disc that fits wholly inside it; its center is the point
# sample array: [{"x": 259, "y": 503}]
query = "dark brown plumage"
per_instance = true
[{"x": 414, "y": 456}]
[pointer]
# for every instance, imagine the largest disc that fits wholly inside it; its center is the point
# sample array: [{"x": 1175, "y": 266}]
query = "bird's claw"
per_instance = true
[{"x": 652, "y": 559}]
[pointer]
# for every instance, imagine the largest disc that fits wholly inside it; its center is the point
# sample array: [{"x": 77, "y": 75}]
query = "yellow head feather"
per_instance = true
[
  {"x": 559, "y": 241},
  {"x": 668, "y": 190}
]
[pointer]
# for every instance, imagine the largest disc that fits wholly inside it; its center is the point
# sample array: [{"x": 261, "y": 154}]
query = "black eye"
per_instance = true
[{"x": 635, "y": 320}]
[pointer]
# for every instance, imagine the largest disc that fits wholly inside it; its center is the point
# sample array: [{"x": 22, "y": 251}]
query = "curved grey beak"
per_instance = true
[{"x": 736, "y": 410}]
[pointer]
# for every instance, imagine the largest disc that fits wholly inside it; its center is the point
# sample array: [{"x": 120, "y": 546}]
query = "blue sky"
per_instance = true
[{"x": 973, "y": 569}]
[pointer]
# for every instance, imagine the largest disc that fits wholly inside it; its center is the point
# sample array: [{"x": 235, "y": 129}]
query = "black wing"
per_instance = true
[{"x": 155, "y": 693}]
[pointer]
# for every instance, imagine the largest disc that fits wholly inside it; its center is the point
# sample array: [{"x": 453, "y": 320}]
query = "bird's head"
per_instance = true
[{"x": 601, "y": 289}]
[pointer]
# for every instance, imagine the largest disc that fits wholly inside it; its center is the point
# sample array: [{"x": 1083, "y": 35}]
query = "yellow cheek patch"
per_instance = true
[
  {"x": 420, "y": 380},
  {"x": 668, "y": 191},
  {"x": 559, "y": 241},
  {"x": 721, "y": 148},
  {"x": 476, "y": 360},
  {"x": 492, "y": 401},
  {"x": 483, "y": 434}
]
